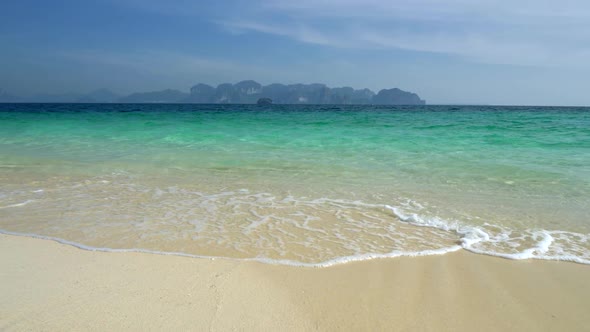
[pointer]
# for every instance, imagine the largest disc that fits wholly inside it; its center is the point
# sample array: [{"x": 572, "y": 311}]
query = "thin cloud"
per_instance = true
[
  {"x": 543, "y": 33},
  {"x": 299, "y": 32}
]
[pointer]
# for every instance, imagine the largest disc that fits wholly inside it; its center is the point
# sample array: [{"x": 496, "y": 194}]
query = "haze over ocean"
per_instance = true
[{"x": 448, "y": 52}]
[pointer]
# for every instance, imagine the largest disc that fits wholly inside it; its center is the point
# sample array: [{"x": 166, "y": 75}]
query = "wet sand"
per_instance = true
[{"x": 45, "y": 285}]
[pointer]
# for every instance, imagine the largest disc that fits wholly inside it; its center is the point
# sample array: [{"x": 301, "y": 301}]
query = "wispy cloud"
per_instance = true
[
  {"x": 540, "y": 33},
  {"x": 524, "y": 32},
  {"x": 299, "y": 32}
]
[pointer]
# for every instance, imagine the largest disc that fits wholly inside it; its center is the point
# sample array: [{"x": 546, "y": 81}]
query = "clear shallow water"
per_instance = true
[{"x": 302, "y": 185}]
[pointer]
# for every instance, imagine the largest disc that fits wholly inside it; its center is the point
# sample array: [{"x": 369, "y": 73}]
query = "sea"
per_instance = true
[{"x": 303, "y": 185}]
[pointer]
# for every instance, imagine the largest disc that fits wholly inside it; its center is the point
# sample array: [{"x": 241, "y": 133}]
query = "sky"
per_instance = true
[{"x": 503, "y": 52}]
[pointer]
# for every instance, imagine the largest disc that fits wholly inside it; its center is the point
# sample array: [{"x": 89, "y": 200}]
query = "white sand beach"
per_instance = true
[{"x": 49, "y": 286}]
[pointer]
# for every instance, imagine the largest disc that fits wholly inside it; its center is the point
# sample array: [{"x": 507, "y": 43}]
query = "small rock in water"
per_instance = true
[{"x": 264, "y": 101}]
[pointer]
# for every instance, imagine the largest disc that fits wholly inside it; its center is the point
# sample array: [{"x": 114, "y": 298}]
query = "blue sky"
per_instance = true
[{"x": 453, "y": 51}]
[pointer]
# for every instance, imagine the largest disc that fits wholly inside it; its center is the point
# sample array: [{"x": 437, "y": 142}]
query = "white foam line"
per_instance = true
[
  {"x": 528, "y": 255},
  {"x": 328, "y": 263},
  {"x": 474, "y": 235},
  {"x": 332, "y": 262},
  {"x": 17, "y": 204}
]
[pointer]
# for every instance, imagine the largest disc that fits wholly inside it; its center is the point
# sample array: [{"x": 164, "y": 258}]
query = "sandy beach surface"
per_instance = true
[{"x": 48, "y": 286}]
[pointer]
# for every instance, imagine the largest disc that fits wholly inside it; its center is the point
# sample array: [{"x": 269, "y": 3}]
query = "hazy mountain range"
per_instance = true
[{"x": 244, "y": 92}]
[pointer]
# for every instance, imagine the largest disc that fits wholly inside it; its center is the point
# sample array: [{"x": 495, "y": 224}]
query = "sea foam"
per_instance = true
[{"x": 267, "y": 228}]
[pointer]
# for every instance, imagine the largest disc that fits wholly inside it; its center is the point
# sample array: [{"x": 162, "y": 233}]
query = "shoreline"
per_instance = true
[
  {"x": 325, "y": 264},
  {"x": 46, "y": 285}
]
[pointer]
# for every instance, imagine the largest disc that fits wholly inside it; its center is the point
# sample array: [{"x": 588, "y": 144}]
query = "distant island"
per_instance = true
[{"x": 244, "y": 92}]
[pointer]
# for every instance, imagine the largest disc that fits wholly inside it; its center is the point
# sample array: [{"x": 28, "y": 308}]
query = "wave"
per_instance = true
[
  {"x": 474, "y": 239},
  {"x": 263, "y": 227},
  {"x": 553, "y": 245}
]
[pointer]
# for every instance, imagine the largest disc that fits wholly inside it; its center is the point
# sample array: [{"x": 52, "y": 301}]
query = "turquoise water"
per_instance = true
[{"x": 310, "y": 185}]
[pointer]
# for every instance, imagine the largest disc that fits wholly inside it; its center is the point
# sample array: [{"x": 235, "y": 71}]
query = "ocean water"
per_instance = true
[{"x": 299, "y": 185}]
